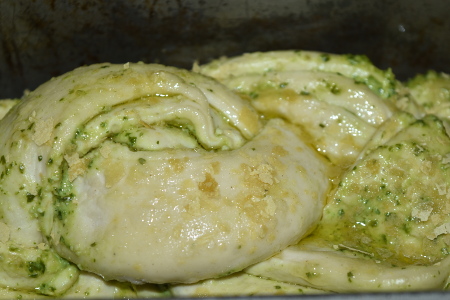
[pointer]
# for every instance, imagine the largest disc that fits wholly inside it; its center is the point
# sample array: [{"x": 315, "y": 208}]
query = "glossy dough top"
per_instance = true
[{"x": 147, "y": 173}]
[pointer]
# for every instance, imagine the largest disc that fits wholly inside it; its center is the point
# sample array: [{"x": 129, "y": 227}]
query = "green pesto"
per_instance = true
[
  {"x": 63, "y": 196},
  {"x": 253, "y": 95},
  {"x": 32, "y": 269},
  {"x": 311, "y": 274},
  {"x": 432, "y": 91},
  {"x": 80, "y": 134},
  {"x": 362, "y": 70},
  {"x": 325, "y": 57},
  {"x": 35, "y": 268},
  {"x": 333, "y": 87},
  {"x": 132, "y": 140},
  {"x": 355, "y": 59},
  {"x": 30, "y": 197},
  {"x": 21, "y": 168},
  {"x": 386, "y": 191},
  {"x": 350, "y": 276}
]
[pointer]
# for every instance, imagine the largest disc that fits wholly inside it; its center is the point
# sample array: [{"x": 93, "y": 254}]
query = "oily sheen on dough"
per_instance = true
[{"x": 147, "y": 173}]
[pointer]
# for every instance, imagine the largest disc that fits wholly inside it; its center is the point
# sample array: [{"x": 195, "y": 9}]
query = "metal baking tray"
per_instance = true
[{"x": 44, "y": 38}]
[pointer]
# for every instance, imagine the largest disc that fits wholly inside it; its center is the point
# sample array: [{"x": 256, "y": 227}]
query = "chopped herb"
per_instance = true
[
  {"x": 283, "y": 85},
  {"x": 325, "y": 57},
  {"x": 253, "y": 95},
  {"x": 132, "y": 140},
  {"x": 30, "y": 197},
  {"x": 35, "y": 268},
  {"x": 350, "y": 276}
]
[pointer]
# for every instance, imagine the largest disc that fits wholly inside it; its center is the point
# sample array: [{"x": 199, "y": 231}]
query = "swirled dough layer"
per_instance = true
[{"x": 146, "y": 173}]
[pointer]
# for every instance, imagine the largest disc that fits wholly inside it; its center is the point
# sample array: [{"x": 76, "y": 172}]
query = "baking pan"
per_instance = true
[{"x": 45, "y": 38}]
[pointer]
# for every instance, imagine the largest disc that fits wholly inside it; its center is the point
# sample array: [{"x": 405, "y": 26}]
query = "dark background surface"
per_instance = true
[{"x": 45, "y": 38}]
